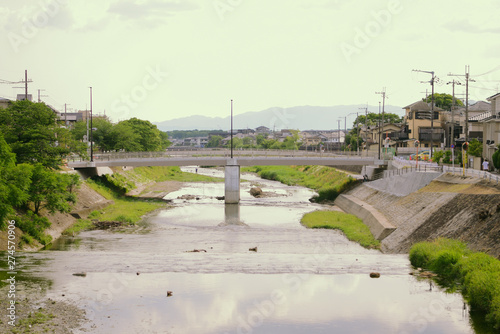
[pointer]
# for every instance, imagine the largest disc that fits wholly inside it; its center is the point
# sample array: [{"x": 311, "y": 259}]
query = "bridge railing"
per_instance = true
[
  {"x": 405, "y": 166},
  {"x": 204, "y": 152}
]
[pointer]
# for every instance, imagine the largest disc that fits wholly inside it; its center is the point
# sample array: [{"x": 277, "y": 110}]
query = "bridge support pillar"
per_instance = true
[{"x": 232, "y": 182}]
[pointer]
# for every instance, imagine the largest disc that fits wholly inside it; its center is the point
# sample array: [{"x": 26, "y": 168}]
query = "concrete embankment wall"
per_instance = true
[
  {"x": 449, "y": 206},
  {"x": 402, "y": 185},
  {"x": 378, "y": 224}
]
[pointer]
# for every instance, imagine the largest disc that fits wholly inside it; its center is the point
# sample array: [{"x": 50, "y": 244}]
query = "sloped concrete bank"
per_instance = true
[{"x": 449, "y": 206}]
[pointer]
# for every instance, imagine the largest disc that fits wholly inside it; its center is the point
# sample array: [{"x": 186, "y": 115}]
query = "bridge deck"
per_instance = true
[{"x": 222, "y": 161}]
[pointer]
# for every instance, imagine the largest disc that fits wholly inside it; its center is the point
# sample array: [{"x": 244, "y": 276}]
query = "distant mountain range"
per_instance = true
[{"x": 301, "y": 118}]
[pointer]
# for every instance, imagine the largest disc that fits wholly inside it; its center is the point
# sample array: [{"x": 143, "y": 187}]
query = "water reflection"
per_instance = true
[
  {"x": 289, "y": 303},
  {"x": 232, "y": 215},
  {"x": 299, "y": 281}
]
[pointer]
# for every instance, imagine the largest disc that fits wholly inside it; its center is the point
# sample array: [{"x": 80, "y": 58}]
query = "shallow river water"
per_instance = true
[{"x": 298, "y": 280}]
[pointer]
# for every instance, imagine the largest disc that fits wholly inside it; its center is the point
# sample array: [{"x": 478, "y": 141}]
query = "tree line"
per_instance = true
[
  {"x": 132, "y": 135},
  {"x": 33, "y": 146}
]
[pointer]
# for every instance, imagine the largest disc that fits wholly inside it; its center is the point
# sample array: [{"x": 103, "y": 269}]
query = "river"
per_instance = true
[{"x": 297, "y": 281}]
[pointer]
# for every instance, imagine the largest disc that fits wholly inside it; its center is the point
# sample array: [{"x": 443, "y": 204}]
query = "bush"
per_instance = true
[
  {"x": 447, "y": 157},
  {"x": 124, "y": 219},
  {"x": 478, "y": 273},
  {"x": 34, "y": 225},
  {"x": 496, "y": 158},
  {"x": 436, "y": 156}
]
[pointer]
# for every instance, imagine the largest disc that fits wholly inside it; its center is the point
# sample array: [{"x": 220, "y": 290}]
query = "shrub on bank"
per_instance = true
[
  {"x": 353, "y": 227},
  {"x": 477, "y": 273},
  {"x": 327, "y": 181}
]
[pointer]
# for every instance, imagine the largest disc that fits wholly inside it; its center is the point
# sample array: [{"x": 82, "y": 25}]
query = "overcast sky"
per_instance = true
[{"x": 165, "y": 59}]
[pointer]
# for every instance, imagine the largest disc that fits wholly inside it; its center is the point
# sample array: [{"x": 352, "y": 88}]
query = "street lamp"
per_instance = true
[{"x": 91, "y": 130}]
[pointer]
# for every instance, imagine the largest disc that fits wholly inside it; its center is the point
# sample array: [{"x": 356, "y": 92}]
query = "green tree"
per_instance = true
[
  {"x": 215, "y": 141},
  {"x": 237, "y": 142},
  {"x": 30, "y": 130},
  {"x": 259, "y": 139},
  {"x": 443, "y": 101},
  {"x": 51, "y": 190},
  {"x": 248, "y": 142},
  {"x": 496, "y": 158},
  {"x": 149, "y": 137},
  {"x": 123, "y": 137},
  {"x": 475, "y": 148},
  {"x": 374, "y": 119},
  {"x": 14, "y": 182}
]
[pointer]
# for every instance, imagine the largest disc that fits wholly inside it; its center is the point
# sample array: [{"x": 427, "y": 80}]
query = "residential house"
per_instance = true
[
  {"x": 4, "y": 103},
  {"x": 263, "y": 130},
  {"x": 491, "y": 128},
  {"x": 418, "y": 119},
  {"x": 195, "y": 141},
  {"x": 476, "y": 113},
  {"x": 390, "y": 134}
]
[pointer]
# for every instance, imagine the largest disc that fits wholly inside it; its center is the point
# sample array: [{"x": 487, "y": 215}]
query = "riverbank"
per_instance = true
[
  {"x": 475, "y": 274},
  {"x": 327, "y": 181},
  {"x": 125, "y": 195},
  {"x": 353, "y": 227}
]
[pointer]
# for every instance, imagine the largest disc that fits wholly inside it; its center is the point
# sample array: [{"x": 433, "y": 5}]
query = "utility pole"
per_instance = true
[
  {"x": 231, "y": 129},
  {"x": 379, "y": 136},
  {"x": 467, "y": 79},
  {"x": 91, "y": 130},
  {"x": 39, "y": 96},
  {"x": 357, "y": 133},
  {"x": 383, "y": 112},
  {"x": 453, "y": 83},
  {"x": 339, "y": 132},
  {"x": 26, "y": 84},
  {"x": 366, "y": 120},
  {"x": 433, "y": 79}
]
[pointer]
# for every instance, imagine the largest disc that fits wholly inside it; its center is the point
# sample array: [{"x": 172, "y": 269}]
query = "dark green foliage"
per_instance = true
[
  {"x": 475, "y": 148},
  {"x": 436, "y": 156},
  {"x": 30, "y": 130},
  {"x": 115, "y": 182},
  {"x": 181, "y": 134},
  {"x": 14, "y": 182},
  {"x": 375, "y": 119},
  {"x": 51, "y": 190},
  {"x": 443, "y": 101},
  {"x": 447, "y": 157},
  {"x": 477, "y": 273},
  {"x": 496, "y": 158},
  {"x": 129, "y": 135},
  {"x": 34, "y": 226}
]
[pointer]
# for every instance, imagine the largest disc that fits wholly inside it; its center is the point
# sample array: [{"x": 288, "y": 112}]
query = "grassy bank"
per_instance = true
[
  {"x": 478, "y": 274},
  {"x": 353, "y": 227},
  {"x": 129, "y": 209},
  {"x": 327, "y": 181}
]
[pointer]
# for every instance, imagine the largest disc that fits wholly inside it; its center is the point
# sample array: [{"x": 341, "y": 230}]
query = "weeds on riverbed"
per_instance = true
[
  {"x": 126, "y": 209},
  {"x": 353, "y": 227},
  {"x": 327, "y": 181},
  {"x": 477, "y": 273},
  {"x": 80, "y": 225}
]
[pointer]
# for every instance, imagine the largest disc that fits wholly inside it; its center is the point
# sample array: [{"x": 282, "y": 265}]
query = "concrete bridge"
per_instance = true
[{"x": 222, "y": 157}]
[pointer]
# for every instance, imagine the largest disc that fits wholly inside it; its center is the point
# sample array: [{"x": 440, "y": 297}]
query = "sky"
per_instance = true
[{"x": 164, "y": 59}]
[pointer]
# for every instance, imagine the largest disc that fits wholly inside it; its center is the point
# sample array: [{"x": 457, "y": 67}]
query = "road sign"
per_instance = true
[{"x": 452, "y": 146}]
